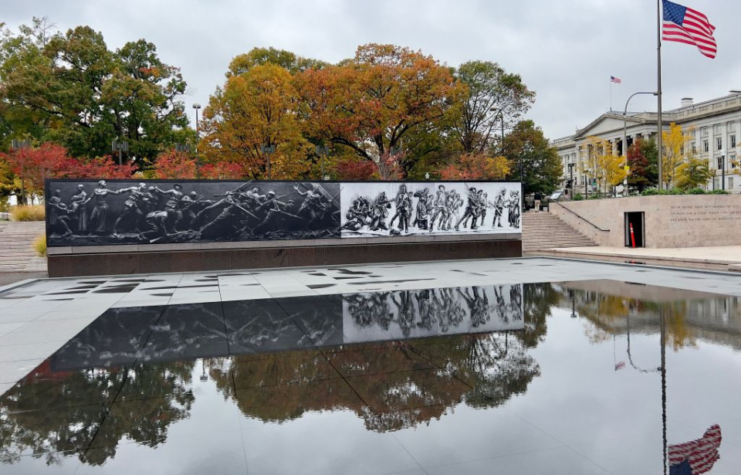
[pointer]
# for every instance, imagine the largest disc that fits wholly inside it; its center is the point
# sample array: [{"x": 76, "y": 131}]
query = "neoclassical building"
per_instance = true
[{"x": 714, "y": 128}]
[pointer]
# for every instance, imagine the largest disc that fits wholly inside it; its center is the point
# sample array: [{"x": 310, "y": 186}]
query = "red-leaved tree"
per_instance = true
[
  {"x": 174, "y": 165},
  {"x": 33, "y": 165},
  {"x": 222, "y": 171},
  {"x": 101, "y": 168},
  {"x": 476, "y": 167}
]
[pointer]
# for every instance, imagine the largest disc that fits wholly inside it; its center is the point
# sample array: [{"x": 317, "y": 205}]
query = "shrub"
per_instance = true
[
  {"x": 696, "y": 191},
  {"x": 39, "y": 245},
  {"x": 650, "y": 192},
  {"x": 28, "y": 213},
  {"x": 720, "y": 192},
  {"x": 578, "y": 197}
]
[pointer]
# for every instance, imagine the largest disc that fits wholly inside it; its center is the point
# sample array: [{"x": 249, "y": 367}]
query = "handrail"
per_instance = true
[{"x": 582, "y": 218}]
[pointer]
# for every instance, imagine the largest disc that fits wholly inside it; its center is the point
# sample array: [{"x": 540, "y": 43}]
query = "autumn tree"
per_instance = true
[
  {"x": 372, "y": 102},
  {"x": 642, "y": 157},
  {"x": 31, "y": 166},
  {"x": 174, "y": 165},
  {"x": 252, "y": 121},
  {"x": 493, "y": 96},
  {"x": 477, "y": 167},
  {"x": 532, "y": 159},
  {"x": 693, "y": 173},
  {"x": 674, "y": 143},
  {"x": 259, "y": 56},
  {"x": 70, "y": 88}
]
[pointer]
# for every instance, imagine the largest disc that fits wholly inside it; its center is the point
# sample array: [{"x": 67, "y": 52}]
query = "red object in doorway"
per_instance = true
[{"x": 632, "y": 236}]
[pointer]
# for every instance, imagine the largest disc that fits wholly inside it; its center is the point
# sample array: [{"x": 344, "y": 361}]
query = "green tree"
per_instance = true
[
  {"x": 493, "y": 95},
  {"x": 530, "y": 151},
  {"x": 285, "y": 59},
  {"x": 71, "y": 89},
  {"x": 693, "y": 173}
]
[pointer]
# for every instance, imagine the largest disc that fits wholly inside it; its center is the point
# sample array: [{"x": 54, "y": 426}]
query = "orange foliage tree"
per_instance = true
[
  {"x": 476, "y": 167},
  {"x": 373, "y": 101},
  {"x": 255, "y": 110}
]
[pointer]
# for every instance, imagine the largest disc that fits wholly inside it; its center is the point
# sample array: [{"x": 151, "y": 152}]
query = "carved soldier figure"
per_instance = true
[{"x": 99, "y": 216}]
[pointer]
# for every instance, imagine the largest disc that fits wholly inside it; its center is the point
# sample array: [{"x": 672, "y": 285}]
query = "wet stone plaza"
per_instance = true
[{"x": 519, "y": 366}]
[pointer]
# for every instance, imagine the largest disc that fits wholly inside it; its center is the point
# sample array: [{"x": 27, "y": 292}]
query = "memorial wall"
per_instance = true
[
  {"x": 99, "y": 227},
  {"x": 95, "y": 213}
]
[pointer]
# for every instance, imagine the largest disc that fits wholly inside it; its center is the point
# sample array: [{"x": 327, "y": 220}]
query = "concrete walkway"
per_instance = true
[{"x": 719, "y": 258}]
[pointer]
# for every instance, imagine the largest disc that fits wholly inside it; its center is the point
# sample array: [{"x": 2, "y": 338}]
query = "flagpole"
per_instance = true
[{"x": 660, "y": 124}]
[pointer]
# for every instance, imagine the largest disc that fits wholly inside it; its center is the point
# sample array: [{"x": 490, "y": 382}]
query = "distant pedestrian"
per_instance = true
[{"x": 538, "y": 199}]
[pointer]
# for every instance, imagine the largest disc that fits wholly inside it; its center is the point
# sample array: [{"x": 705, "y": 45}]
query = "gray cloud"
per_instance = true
[{"x": 566, "y": 50}]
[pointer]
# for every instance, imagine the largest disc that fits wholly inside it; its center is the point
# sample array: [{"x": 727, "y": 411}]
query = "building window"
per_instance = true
[
  {"x": 704, "y": 131},
  {"x": 720, "y": 163},
  {"x": 717, "y": 129},
  {"x": 716, "y": 183},
  {"x": 732, "y": 159},
  {"x": 733, "y": 141},
  {"x": 719, "y": 143},
  {"x": 705, "y": 146},
  {"x": 730, "y": 182},
  {"x": 693, "y": 147},
  {"x": 731, "y": 126}
]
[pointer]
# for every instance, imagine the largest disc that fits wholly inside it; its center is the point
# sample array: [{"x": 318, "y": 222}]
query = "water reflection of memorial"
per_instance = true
[{"x": 393, "y": 360}]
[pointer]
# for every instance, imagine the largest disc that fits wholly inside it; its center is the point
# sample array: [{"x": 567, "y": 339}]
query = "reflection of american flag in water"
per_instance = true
[{"x": 696, "y": 457}]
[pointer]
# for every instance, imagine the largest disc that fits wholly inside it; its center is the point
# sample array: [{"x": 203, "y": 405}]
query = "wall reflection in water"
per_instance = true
[{"x": 396, "y": 360}]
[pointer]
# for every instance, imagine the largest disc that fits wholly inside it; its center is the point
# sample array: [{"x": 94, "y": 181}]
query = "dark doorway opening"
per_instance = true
[{"x": 637, "y": 220}]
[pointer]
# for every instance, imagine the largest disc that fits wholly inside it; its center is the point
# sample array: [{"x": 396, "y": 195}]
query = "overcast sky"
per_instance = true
[{"x": 565, "y": 50}]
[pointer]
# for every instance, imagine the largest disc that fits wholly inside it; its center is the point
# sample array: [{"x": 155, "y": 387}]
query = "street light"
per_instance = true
[
  {"x": 625, "y": 129},
  {"x": 322, "y": 151},
  {"x": 197, "y": 106},
  {"x": 500, "y": 114},
  {"x": 571, "y": 179},
  {"x": 722, "y": 163},
  {"x": 20, "y": 145},
  {"x": 118, "y": 146},
  {"x": 268, "y": 150}
]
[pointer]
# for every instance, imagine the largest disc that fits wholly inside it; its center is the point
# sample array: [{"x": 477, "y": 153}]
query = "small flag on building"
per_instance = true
[
  {"x": 685, "y": 25},
  {"x": 696, "y": 457},
  {"x": 619, "y": 366},
  {"x": 616, "y": 80}
]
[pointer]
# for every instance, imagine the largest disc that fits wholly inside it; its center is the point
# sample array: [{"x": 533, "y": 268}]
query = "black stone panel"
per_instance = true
[{"x": 67, "y": 265}]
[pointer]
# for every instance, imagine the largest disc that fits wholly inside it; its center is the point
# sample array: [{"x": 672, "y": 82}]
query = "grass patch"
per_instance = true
[
  {"x": 28, "y": 213},
  {"x": 39, "y": 245}
]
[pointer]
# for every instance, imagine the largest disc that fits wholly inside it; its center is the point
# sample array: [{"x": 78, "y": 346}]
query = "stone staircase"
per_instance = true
[
  {"x": 16, "y": 247},
  {"x": 542, "y": 231}
]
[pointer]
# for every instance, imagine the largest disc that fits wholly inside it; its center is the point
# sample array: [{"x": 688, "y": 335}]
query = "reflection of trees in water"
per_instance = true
[
  {"x": 482, "y": 370},
  {"x": 608, "y": 315},
  {"x": 50, "y": 422},
  {"x": 538, "y": 301}
]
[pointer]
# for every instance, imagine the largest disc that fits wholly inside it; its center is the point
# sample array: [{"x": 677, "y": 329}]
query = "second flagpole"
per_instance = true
[{"x": 660, "y": 123}]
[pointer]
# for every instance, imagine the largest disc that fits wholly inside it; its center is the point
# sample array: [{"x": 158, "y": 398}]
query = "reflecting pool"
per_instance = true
[{"x": 596, "y": 377}]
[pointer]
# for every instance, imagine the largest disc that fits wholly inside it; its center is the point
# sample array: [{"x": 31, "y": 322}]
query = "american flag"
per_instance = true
[
  {"x": 696, "y": 457},
  {"x": 616, "y": 80},
  {"x": 685, "y": 25}
]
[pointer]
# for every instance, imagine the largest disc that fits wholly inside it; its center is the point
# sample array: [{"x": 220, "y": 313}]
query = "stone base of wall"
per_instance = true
[{"x": 80, "y": 264}]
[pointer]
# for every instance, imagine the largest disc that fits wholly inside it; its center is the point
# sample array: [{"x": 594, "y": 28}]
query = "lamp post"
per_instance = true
[
  {"x": 197, "y": 106},
  {"x": 20, "y": 145},
  {"x": 722, "y": 164},
  {"x": 586, "y": 182},
  {"x": 500, "y": 114},
  {"x": 322, "y": 151},
  {"x": 571, "y": 179},
  {"x": 268, "y": 150},
  {"x": 120, "y": 146},
  {"x": 625, "y": 124}
]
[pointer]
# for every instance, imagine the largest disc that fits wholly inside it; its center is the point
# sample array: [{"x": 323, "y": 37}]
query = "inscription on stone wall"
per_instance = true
[{"x": 704, "y": 213}]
